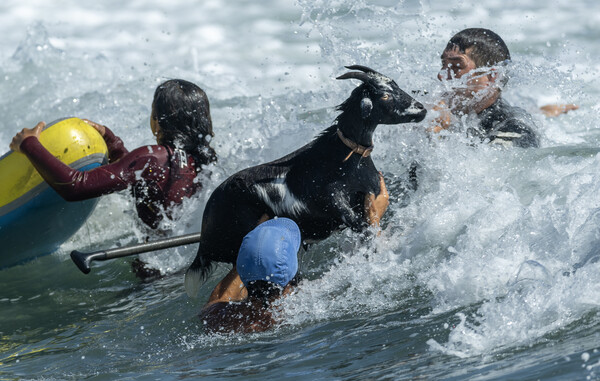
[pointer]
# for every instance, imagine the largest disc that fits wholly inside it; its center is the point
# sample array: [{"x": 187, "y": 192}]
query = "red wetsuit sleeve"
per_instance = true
[
  {"x": 157, "y": 178},
  {"x": 74, "y": 185},
  {"x": 116, "y": 148}
]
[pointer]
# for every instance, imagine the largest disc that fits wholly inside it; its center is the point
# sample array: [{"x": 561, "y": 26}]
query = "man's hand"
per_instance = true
[
  {"x": 375, "y": 206},
  {"x": 100, "y": 128},
  {"x": 15, "y": 145},
  {"x": 556, "y": 110},
  {"x": 442, "y": 122}
]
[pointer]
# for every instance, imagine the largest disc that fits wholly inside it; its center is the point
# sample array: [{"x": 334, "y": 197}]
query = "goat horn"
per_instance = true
[
  {"x": 363, "y": 69},
  {"x": 356, "y": 75}
]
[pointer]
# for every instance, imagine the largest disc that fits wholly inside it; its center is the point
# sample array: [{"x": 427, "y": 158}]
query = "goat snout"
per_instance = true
[
  {"x": 420, "y": 113},
  {"x": 418, "y": 106},
  {"x": 415, "y": 112}
]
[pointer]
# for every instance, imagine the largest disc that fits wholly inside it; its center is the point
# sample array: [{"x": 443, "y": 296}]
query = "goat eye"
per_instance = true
[{"x": 385, "y": 97}]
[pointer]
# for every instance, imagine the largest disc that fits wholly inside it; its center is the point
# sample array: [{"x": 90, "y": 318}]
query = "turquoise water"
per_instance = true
[{"x": 488, "y": 271}]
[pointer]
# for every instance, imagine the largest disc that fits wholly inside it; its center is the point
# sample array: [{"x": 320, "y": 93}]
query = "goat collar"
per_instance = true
[{"x": 355, "y": 147}]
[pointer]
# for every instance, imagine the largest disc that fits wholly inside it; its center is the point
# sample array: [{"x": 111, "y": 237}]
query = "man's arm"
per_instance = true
[
  {"x": 74, "y": 185},
  {"x": 230, "y": 288},
  {"x": 116, "y": 148},
  {"x": 557, "y": 109},
  {"x": 443, "y": 120},
  {"x": 69, "y": 183}
]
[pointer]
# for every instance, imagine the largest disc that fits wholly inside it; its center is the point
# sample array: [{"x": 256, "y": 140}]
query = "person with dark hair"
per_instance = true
[
  {"x": 182, "y": 112},
  {"x": 475, "y": 62},
  {"x": 159, "y": 176},
  {"x": 266, "y": 269}
]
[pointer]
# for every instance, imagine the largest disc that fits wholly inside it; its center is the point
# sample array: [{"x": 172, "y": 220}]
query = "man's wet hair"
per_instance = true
[
  {"x": 266, "y": 291},
  {"x": 487, "y": 48},
  {"x": 262, "y": 289}
]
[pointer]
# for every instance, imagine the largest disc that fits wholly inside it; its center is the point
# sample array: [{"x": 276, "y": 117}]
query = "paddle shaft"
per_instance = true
[{"x": 83, "y": 260}]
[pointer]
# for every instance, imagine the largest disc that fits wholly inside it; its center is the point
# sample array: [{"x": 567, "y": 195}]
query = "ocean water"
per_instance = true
[{"x": 489, "y": 270}]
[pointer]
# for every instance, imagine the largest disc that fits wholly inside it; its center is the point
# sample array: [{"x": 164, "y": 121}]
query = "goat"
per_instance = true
[{"x": 321, "y": 186}]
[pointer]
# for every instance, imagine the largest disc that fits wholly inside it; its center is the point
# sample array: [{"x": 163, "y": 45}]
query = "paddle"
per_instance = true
[{"x": 83, "y": 260}]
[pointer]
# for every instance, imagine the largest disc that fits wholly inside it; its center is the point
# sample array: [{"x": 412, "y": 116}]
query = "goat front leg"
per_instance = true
[
  {"x": 341, "y": 208},
  {"x": 375, "y": 206}
]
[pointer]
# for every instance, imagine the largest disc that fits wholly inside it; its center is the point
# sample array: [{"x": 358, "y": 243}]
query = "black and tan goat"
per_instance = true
[{"x": 321, "y": 186}]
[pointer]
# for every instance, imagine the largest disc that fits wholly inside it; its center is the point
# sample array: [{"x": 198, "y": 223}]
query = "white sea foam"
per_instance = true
[{"x": 490, "y": 228}]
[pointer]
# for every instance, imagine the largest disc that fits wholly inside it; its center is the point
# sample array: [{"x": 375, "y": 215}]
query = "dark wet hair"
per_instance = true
[
  {"x": 488, "y": 49},
  {"x": 265, "y": 290},
  {"x": 183, "y": 114}
]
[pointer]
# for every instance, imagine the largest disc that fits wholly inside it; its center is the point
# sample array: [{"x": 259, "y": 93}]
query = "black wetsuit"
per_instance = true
[
  {"x": 500, "y": 123},
  {"x": 504, "y": 124}
]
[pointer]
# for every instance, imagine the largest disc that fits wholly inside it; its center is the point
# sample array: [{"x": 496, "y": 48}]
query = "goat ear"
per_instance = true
[{"x": 366, "y": 106}]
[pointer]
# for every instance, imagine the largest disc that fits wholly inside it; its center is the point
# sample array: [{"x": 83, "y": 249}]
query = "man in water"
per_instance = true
[
  {"x": 474, "y": 63},
  {"x": 267, "y": 264}
]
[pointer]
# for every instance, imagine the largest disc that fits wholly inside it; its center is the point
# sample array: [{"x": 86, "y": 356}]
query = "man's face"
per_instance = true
[{"x": 456, "y": 65}]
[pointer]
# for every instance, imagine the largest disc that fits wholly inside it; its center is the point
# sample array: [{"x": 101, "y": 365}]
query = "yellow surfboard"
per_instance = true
[{"x": 34, "y": 219}]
